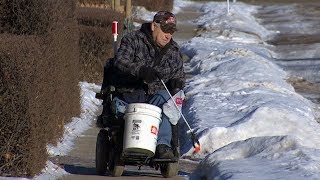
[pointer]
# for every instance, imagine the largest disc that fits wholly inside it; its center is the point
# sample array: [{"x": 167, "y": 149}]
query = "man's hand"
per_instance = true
[
  {"x": 174, "y": 85},
  {"x": 148, "y": 74}
]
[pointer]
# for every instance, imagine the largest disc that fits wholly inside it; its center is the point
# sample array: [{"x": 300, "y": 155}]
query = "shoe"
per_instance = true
[{"x": 164, "y": 152}]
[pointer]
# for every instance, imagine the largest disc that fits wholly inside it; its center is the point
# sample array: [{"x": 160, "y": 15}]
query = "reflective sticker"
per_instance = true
[
  {"x": 154, "y": 130},
  {"x": 170, "y": 20}
]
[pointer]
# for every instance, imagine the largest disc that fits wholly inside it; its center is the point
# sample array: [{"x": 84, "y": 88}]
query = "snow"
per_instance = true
[{"x": 250, "y": 122}]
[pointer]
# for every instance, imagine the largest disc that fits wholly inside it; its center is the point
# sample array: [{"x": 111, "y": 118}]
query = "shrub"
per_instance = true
[{"x": 39, "y": 76}]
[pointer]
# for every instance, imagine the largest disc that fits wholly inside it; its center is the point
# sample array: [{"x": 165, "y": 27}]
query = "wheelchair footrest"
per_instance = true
[{"x": 172, "y": 160}]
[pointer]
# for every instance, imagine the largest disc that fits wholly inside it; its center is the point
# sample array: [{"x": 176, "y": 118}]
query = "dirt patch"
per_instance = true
[
  {"x": 289, "y": 39},
  {"x": 302, "y": 85},
  {"x": 259, "y": 2}
]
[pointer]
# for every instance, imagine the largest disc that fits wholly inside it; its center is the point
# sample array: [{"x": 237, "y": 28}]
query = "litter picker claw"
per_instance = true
[{"x": 195, "y": 143}]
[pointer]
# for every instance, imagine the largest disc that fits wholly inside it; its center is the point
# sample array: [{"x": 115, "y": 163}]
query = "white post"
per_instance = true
[{"x": 228, "y": 6}]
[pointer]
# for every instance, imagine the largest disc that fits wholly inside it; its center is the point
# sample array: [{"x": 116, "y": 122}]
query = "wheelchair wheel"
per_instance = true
[
  {"x": 102, "y": 152},
  {"x": 116, "y": 166},
  {"x": 169, "y": 170}
]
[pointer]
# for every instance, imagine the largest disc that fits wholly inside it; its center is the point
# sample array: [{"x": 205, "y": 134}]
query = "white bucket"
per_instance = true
[{"x": 141, "y": 128}]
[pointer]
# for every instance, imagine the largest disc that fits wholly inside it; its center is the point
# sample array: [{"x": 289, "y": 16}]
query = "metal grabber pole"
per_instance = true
[{"x": 194, "y": 139}]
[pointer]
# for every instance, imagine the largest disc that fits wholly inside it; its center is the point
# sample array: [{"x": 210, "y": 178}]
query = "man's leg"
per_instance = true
[
  {"x": 164, "y": 135},
  {"x": 165, "y": 131}
]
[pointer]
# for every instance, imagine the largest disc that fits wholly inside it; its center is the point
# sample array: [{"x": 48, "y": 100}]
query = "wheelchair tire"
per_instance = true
[
  {"x": 102, "y": 152},
  {"x": 117, "y": 171},
  {"x": 116, "y": 166},
  {"x": 169, "y": 170}
]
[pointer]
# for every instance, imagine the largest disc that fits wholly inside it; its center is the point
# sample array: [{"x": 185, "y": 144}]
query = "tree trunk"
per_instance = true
[
  {"x": 128, "y": 9},
  {"x": 117, "y": 5},
  {"x": 112, "y": 4}
]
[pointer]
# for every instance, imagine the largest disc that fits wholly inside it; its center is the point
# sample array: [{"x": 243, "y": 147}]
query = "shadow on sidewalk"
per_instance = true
[
  {"x": 78, "y": 169},
  {"x": 82, "y": 170}
]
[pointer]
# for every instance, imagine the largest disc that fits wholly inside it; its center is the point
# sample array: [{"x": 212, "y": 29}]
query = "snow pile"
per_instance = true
[{"x": 250, "y": 121}]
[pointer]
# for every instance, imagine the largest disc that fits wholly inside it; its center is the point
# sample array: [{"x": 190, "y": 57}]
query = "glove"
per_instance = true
[
  {"x": 148, "y": 74},
  {"x": 175, "y": 85}
]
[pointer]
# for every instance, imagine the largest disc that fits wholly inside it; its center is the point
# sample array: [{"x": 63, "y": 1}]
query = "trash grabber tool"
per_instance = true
[{"x": 194, "y": 139}]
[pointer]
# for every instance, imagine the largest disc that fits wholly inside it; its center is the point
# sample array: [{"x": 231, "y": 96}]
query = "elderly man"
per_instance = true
[{"x": 143, "y": 57}]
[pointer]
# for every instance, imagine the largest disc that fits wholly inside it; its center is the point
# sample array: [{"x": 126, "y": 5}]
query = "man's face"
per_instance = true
[{"x": 161, "y": 38}]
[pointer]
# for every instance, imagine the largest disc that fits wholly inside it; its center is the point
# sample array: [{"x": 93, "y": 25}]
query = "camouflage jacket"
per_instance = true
[{"x": 137, "y": 49}]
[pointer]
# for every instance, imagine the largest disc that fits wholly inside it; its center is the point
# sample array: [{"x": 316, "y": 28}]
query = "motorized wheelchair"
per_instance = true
[{"x": 110, "y": 155}]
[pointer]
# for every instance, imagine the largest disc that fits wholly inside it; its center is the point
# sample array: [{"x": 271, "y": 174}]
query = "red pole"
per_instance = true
[{"x": 115, "y": 35}]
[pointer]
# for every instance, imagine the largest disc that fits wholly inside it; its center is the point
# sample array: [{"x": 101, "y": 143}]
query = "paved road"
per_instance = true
[{"x": 80, "y": 162}]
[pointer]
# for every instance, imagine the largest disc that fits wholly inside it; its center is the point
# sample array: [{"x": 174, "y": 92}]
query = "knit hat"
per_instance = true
[{"x": 167, "y": 21}]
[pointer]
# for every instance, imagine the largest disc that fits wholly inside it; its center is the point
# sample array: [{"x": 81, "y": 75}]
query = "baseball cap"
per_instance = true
[{"x": 167, "y": 21}]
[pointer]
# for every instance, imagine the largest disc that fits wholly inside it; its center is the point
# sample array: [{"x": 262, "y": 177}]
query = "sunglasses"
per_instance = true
[{"x": 167, "y": 27}]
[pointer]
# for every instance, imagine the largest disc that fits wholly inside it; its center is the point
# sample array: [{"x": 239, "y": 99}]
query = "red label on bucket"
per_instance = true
[{"x": 154, "y": 130}]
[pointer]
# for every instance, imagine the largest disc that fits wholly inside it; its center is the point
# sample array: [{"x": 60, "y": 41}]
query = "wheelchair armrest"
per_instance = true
[{"x": 104, "y": 93}]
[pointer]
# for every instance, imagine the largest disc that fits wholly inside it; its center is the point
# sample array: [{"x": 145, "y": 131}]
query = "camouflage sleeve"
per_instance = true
[
  {"x": 124, "y": 59},
  {"x": 179, "y": 70}
]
